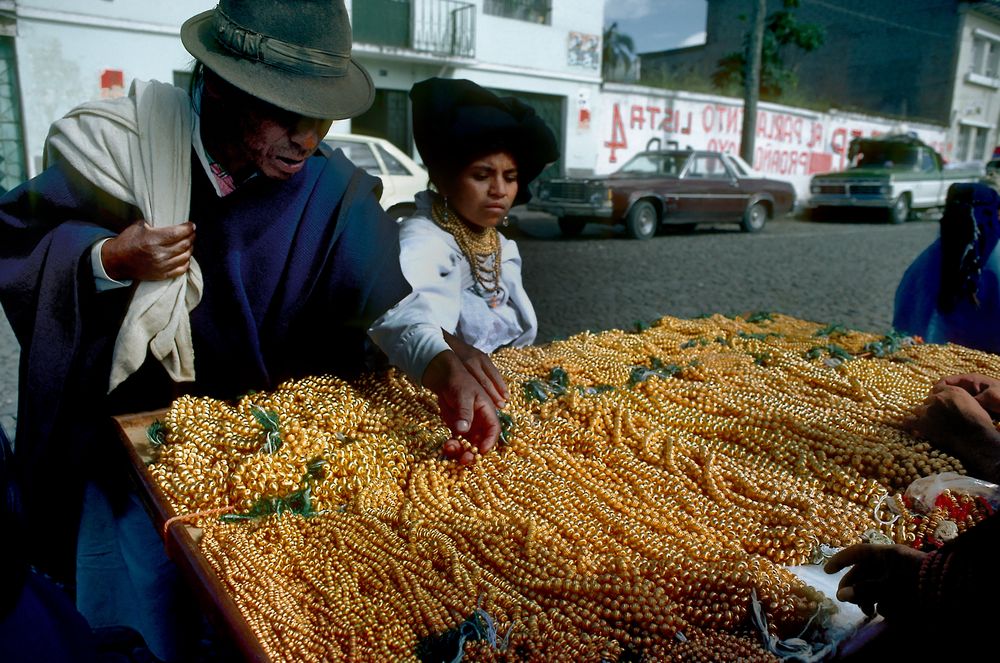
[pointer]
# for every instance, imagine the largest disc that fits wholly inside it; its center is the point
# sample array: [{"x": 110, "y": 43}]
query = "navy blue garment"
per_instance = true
[
  {"x": 951, "y": 292},
  {"x": 294, "y": 274},
  {"x": 37, "y": 619}
]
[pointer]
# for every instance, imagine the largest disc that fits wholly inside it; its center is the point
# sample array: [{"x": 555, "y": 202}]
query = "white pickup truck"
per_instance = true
[{"x": 899, "y": 173}]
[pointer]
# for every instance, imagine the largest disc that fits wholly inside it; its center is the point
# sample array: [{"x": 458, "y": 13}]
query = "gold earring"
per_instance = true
[{"x": 506, "y": 221}]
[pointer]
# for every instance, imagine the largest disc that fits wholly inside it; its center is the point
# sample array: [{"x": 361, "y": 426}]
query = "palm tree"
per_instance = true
[{"x": 618, "y": 56}]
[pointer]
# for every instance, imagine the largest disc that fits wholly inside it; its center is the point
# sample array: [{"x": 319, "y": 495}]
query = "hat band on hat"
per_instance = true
[{"x": 278, "y": 53}]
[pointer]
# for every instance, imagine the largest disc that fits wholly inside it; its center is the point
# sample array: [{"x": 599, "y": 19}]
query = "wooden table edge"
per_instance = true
[{"x": 179, "y": 538}]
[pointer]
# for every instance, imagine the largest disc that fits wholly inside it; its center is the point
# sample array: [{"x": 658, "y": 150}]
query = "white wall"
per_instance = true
[
  {"x": 63, "y": 46},
  {"x": 171, "y": 12},
  {"x": 791, "y": 144},
  {"x": 553, "y": 48},
  {"x": 521, "y": 56}
]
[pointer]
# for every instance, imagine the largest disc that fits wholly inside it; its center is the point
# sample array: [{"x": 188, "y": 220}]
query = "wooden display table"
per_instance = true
[{"x": 181, "y": 540}]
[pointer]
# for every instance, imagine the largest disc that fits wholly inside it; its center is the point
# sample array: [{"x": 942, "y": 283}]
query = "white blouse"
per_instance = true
[{"x": 437, "y": 269}]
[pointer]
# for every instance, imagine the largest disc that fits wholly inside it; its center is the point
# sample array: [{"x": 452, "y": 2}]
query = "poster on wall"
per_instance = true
[
  {"x": 582, "y": 110},
  {"x": 112, "y": 84},
  {"x": 584, "y": 50}
]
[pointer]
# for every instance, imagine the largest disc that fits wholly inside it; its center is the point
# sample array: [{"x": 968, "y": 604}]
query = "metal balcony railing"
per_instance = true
[{"x": 443, "y": 27}]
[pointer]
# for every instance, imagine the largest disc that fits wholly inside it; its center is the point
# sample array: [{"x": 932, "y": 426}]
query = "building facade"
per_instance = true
[
  {"x": 920, "y": 60},
  {"x": 545, "y": 52},
  {"x": 55, "y": 54}
]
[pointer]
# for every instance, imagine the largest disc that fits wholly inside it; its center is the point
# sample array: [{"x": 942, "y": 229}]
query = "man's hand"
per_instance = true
[
  {"x": 465, "y": 407},
  {"x": 984, "y": 389},
  {"x": 953, "y": 420},
  {"x": 883, "y": 575},
  {"x": 481, "y": 367},
  {"x": 144, "y": 253}
]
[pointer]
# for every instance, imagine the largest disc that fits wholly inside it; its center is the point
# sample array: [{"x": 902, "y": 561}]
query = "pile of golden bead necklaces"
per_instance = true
[{"x": 649, "y": 482}]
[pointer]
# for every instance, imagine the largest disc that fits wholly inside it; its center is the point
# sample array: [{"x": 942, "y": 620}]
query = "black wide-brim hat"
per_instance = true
[
  {"x": 295, "y": 54},
  {"x": 456, "y": 121}
]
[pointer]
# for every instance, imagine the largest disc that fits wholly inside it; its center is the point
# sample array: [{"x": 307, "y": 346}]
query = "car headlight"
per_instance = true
[
  {"x": 544, "y": 193},
  {"x": 601, "y": 197},
  {"x": 885, "y": 188},
  {"x": 814, "y": 187}
]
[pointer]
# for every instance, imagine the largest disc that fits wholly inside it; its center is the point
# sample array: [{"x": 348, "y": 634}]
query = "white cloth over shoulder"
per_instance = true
[
  {"x": 138, "y": 149},
  {"x": 437, "y": 269}
]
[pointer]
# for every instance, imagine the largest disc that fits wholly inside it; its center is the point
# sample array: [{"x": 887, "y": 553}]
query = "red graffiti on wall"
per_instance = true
[
  {"x": 718, "y": 118},
  {"x": 673, "y": 120},
  {"x": 618, "y": 140},
  {"x": 786, "y": 144}
]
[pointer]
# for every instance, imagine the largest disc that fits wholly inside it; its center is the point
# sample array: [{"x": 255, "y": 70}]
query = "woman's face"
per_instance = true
[{"x": 483, "y": 192}]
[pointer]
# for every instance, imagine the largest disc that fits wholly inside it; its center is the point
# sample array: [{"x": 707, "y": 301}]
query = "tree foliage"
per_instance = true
[
  {"x": 618, "y": 56},
  {"x": 782, "y": 33}
]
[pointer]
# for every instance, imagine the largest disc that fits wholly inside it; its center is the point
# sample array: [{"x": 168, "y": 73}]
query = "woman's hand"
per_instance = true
[
  {"x": 144, "y": 253},
  {"x": 481, "y": 367},
  {"x": 955, "y": 421},
  {"x": 465, "y": 407},
  {"x": 882, "y": 575},
  {"x": 984, "y": 389}
]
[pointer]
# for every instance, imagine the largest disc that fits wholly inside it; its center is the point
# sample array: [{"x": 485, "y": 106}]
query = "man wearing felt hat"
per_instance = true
[{"x": 203, "y": 245}]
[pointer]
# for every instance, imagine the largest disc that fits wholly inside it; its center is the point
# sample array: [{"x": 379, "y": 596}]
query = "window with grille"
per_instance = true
[
  {"x": 13, "y": 169},
  {"x": 964, "y": 138},
  {"x": 985, "y": 57},
  {"x": 532, "y": 11}
]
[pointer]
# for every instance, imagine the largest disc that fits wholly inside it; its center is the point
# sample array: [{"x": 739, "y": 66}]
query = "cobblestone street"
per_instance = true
[{"x": 827, "y": 272}]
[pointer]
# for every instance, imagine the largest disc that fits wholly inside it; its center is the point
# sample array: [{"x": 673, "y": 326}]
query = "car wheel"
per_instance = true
[
  {"x": 642, "y": 220},
  {"x": 900, "y": 210},
  {"x": 571, "y": 226},
  {"x": 754, "y": 218},
  {"x": 400, "y": 211}
]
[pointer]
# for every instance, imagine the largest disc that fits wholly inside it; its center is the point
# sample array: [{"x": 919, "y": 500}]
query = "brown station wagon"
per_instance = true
[{"x": 679, "y": 188}]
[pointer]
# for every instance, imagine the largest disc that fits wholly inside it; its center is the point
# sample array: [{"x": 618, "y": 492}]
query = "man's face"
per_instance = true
[
  {"x": 246, "y": 134},
  {"x": 277, "y": 142}
]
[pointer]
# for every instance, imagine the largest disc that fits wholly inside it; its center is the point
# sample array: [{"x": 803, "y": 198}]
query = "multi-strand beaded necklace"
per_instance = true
[{"x": 480, "y": 247}]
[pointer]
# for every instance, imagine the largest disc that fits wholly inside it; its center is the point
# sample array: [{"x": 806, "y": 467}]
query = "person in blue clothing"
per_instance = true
[
  {"x": 38, "y": 622},
  {"x": 951, "y": 292},
  {"x": 200, "y": 245}
]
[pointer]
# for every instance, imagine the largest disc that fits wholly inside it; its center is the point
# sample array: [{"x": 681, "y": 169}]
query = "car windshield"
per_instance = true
[{"x": 651, "y": 163}]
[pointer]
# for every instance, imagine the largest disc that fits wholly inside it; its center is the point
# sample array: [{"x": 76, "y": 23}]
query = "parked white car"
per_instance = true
[{"x": 401, "y": 176}]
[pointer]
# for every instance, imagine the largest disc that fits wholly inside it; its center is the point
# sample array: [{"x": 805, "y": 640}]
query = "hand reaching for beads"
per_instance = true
[
  {"x": 956, "y": 422},
  {"x": 465, "y": 407},
  {"x": 142, "y": 252},
  {"x": 481, "y": 367},
  {"x": 882, "y": 575},
  {"x": 984, "y": 389}
]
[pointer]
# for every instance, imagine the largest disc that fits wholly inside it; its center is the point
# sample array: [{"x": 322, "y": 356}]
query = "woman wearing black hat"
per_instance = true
[{"x": 481, "y": 151}]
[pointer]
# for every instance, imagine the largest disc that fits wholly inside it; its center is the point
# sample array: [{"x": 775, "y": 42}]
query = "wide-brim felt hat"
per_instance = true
[
  {"x": 455, "y": 121},
  {"x": 295, "y": 54}
]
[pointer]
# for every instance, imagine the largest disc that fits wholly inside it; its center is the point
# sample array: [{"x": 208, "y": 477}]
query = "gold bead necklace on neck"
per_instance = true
[{"x": 478, "y": 247}]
